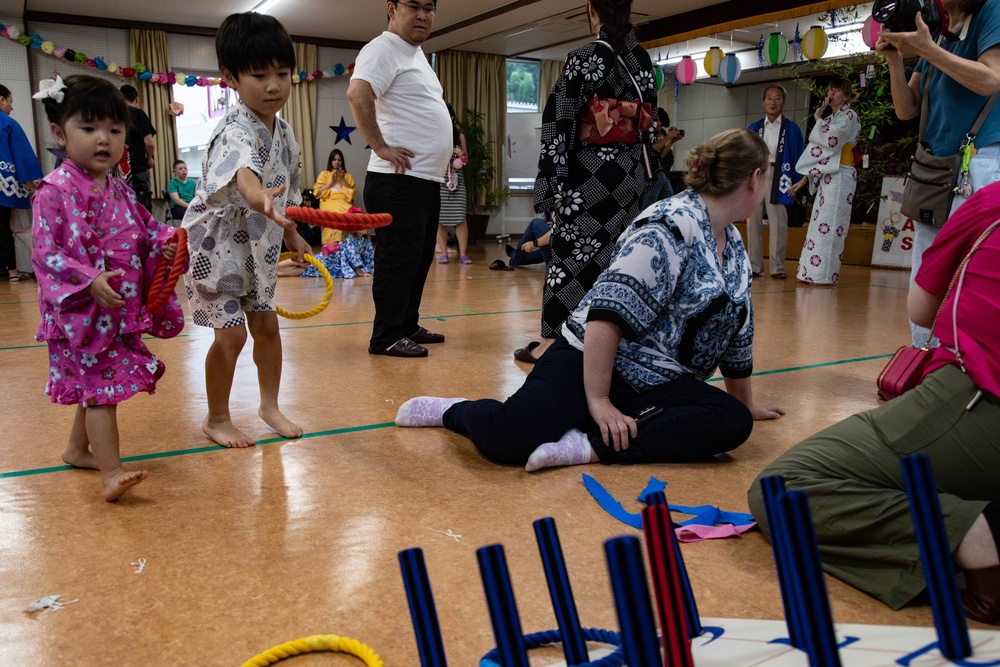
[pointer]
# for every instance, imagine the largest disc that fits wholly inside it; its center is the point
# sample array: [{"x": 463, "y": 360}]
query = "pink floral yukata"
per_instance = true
[{"x": 96, "y": 355}]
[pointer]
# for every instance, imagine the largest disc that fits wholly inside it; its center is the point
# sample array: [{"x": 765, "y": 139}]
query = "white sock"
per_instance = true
[
  {"x": 425, "y": 411},
  {"x": 570, "y": 450}
]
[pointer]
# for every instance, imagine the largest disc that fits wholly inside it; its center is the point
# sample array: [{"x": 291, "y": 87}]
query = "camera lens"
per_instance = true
[{"x": 885, "y": 10}]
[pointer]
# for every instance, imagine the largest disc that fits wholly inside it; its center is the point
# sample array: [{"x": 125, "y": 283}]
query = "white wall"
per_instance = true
[
  {"x": 108, "y": 43},
  {"x": 703, "y": 110},
  {"x": 331, "y": 104}
]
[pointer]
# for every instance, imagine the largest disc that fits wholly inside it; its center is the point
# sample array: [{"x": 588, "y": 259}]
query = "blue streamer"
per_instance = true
[{"x": 704, "y": 515}]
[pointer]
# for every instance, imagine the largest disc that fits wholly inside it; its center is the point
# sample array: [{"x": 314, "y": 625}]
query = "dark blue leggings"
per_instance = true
[{"x": 697, "y": 422}]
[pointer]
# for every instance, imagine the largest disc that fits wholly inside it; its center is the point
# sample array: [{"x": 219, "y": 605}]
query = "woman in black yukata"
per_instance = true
[{"x": 597, "y": 159}]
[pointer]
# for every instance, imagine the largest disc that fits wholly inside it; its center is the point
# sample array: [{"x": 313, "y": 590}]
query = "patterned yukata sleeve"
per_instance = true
[
  {"x": 827, "y": 139},
  {"x": 350, "y": 187},
  {"x": 234, "y": 148},
  {"x": 169, "y": 321},
  {"x": 583, "y": 72},
  {"x": 59, "y": 253},
  {"x": 636, "y": 289},
  {"x": 737, "y": 361}
]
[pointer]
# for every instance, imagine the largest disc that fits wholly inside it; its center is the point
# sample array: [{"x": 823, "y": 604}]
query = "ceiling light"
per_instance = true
[{"x": 266, "y": 6}]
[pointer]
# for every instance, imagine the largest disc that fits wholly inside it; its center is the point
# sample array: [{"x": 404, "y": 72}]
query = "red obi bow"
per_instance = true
[{"x": 610, "y": 121}]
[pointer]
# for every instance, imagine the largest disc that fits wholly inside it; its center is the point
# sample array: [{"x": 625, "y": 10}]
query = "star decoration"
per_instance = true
[{"x": 343, "y": 131}]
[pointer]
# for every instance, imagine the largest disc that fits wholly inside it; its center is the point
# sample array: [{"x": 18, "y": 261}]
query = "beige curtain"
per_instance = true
[
  {"x": 150, "y": 48},
  {"x": 478, "y": 81},
  {"x": 300, "y": 111},
  {"x": 549, "y": 71}
]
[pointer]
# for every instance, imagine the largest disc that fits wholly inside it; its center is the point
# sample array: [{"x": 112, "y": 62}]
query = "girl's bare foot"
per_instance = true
[
  {"x": 361, "y": 273},
  {"x": 118, "y": 482},
  {"x": 280, "y": 423},
  {"x": 79, "y": 458},
  {"x": 223, "y": 432}
]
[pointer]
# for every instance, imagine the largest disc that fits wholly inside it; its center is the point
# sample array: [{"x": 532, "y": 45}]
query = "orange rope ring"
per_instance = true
[
  {"x": 347, "y": 222},
  {"x": 163, "y": 285}
]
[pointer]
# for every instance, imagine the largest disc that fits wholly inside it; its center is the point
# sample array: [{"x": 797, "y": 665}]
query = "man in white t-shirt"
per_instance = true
[{"x": 398, "y": 104}]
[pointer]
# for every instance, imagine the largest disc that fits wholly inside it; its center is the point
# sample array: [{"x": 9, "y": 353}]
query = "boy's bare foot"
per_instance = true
[
  {"x": 118, "y": 482},
  {"x": 226, "y": 434},
  {"x": 280, "y": 423},
  {"x": 79, "y": 459}
]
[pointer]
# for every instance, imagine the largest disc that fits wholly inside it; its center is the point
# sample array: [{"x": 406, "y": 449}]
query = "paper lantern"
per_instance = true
[
  {"x": 814, "y": 43},
  {"x": 712, "y": 60},
  {"x": 686, "y": 70},
  {"x": 775, "y": 49},
  {"x": 870, "y": 31},
  {"x": 730, "y": 69}
]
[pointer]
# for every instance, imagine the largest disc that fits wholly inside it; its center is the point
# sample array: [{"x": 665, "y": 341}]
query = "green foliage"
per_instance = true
[
  {"x": 887, "y": 155},
  {"x": 522, "y": 82},
  {"x": 481, "y": 169}
]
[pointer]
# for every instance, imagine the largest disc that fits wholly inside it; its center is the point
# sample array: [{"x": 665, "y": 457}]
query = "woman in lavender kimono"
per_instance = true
[
  {"x": 95, "y": 252},
  {"x": 828, "y": 165}
]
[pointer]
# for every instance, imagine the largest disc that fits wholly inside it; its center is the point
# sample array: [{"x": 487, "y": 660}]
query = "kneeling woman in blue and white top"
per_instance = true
[{"x": 673, "y": 306}]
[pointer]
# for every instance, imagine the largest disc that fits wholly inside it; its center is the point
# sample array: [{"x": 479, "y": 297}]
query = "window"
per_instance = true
[
  {"x": 522, "y": 86},
  {"x": 203, "y": 107}
]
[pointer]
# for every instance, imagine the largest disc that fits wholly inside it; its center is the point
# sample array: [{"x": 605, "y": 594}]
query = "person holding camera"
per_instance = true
[
  {"x": 666, "y": 137},
  {"x": 828, "y": 165},
  {"x": 963, "y": 68},
  {"x": 784, "y": 141}
]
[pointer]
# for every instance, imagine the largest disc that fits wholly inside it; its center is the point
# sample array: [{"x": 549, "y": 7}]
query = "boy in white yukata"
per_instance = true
[{"x": 236, "y": 221}]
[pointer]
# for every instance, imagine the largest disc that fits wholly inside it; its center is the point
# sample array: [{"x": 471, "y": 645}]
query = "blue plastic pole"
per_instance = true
[
  {"x": 820, "y": 638},
  {"x": 935, "y": 554},
  {"x": 635, "y": 614},
  {"x": 772, "y": 488},
  {"x": 503, "y": 609},
  {"x": 574, "y": 645},
  {"x": 422, "y": 609}
]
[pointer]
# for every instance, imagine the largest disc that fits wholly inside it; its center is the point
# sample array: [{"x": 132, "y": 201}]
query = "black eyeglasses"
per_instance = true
[{"x": 427, "y": 10}]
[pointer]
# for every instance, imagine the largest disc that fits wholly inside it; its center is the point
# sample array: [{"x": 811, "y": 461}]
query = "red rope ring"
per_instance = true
[
  {"x": 347, "y": 222},
  {"x": 160, "y": 290}
]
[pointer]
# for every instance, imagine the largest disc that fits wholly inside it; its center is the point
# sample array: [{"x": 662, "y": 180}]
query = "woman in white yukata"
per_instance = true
[{"x": 828, "y": 165}]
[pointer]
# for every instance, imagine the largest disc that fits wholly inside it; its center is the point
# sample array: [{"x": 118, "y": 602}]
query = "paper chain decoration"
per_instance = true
[{"x": 140, "y": 71}]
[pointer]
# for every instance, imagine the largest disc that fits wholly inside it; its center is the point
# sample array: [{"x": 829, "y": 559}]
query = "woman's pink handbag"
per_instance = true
[{"x": 906, "y": 368}]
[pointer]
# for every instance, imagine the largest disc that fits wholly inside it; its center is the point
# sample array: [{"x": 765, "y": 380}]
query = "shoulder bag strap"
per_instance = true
[
  {"x": 635, "y": 83},
  {"x": 987, "y": 108},
  {"x": 956, "y": 282},
  {"x": 925, "y": 86}
]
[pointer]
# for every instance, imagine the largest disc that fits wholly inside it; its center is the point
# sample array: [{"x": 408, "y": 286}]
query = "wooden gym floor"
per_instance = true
[{"x": 246, "y": 549}]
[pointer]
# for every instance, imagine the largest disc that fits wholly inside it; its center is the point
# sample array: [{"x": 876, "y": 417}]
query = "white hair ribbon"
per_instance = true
[{"x": 50, "y": 88}]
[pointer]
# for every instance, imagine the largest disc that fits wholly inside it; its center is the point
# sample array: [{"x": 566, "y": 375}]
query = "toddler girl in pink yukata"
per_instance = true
[{"x": 95, "y": 253}]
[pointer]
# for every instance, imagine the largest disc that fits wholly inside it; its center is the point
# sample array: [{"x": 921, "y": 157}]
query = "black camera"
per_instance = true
[{"x": 901, "y": 15}]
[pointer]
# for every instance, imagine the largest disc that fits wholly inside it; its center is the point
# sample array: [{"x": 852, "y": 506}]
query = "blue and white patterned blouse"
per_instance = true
[{"x": 680, "y": 312}]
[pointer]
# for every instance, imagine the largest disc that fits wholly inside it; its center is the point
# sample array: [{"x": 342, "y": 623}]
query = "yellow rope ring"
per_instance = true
[
  {"x": 316, "y": 643},
  {"x": 326, "y": 296}
]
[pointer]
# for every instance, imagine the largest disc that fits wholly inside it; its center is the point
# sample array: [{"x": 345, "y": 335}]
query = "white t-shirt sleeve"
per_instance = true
[{"x": 378, "y": 65}]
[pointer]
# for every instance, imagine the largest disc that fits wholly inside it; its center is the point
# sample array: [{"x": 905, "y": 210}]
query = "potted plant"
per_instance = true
[{"x": 479, "y": 173}]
